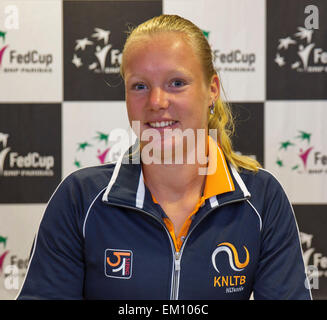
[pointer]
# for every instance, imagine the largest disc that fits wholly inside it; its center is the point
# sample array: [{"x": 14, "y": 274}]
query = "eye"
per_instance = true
[
  {"x": 177, "y": 83},
  {"x": 139, "y": 86}
]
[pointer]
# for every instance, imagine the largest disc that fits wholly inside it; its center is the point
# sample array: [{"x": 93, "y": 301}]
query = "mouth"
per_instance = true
[{"x": 162, "y": 124}]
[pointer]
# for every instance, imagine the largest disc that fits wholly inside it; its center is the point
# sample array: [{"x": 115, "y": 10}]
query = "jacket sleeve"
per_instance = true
[
  {"x": 281, "y": 273},
  {"x": 56, "y": 266}
]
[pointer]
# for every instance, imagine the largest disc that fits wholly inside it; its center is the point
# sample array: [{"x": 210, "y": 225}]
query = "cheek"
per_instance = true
[
  {"x": 196, "y": 110},
  {"x": 134, "y": 109}
]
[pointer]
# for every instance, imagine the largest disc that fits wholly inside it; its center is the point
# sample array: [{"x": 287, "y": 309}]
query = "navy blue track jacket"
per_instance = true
[{"x": 103, "y": 237}]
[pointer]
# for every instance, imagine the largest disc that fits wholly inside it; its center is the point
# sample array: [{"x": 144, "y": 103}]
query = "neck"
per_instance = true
[{"x": 173, "y": 182}]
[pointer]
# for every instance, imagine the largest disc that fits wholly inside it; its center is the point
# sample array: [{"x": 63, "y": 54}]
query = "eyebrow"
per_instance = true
[{"x": 180, "y": 72}]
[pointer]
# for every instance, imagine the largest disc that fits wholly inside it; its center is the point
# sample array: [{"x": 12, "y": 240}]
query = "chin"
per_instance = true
[{"x": 162, "y": 151}]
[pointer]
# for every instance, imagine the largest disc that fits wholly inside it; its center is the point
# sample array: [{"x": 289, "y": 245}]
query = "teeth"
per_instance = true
[{"x": 161, "y": 124}]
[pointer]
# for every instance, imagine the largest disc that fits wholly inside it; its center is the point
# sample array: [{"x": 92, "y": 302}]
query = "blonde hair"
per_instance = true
[{"x": 221, "y": 119}]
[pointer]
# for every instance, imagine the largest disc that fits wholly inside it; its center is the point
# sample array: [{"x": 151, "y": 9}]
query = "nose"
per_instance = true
[{"x": 158, "y": 99}]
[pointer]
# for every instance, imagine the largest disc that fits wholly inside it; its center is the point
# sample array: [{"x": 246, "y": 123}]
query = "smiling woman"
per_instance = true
[
  {"x": 165, "y": 86},
  {"x": 192, "y": 67},
  {"x": 158, "y": 230}
]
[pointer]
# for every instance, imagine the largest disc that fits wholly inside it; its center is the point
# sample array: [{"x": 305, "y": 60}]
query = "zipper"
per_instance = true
[
  {"x": 177, "y": 270},
  {"x": 177, "y": 255}
]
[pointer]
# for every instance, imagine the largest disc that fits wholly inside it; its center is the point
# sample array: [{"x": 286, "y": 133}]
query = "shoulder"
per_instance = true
[
  {"x": 76, "y": 192},
  {"x": 95, "y": 176},
  {"x": 260, "y": 182},
  {"x": 267, "y": 194},
  {"x": 82, "y": 185},
  {"x": 269, "y": 199}
]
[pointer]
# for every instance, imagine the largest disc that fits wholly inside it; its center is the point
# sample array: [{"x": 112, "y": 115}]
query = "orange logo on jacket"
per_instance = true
[
  {"x": 230, "y": 281},
  {"x": 234, "y": 261},
  {"x": 118, "y": 263}
]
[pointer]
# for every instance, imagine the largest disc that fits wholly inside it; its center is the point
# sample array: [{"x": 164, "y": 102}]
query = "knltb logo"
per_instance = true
[{"x": 118, "y": 263}]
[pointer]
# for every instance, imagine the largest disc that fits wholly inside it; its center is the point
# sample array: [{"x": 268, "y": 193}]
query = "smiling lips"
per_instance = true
[{"x": 161, "y": 124}]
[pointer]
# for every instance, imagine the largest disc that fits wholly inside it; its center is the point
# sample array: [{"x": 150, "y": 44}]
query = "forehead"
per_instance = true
[{"x": 160, "y": 50}]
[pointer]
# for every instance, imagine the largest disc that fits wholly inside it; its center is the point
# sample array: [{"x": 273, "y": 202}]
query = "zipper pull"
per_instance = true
[{"x": 177, "y": 261}]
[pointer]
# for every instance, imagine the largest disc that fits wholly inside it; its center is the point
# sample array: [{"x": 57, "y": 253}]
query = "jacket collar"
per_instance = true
[{"x": 126, "y": 186}]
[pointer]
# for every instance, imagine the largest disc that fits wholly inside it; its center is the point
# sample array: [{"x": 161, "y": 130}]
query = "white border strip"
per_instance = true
[
  {"x": 140, "y": 194},
  {"x": 255, "y": 210},
  {"x": 226, "y": 170},
  {"x": 214, "y": 202},
  {"x": 113, "y": 177},
  {"x": 240, "y": 182},
  {"x": 88, "y": 211}
]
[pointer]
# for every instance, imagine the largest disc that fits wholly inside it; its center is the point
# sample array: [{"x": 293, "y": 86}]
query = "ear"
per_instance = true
[{"x": 214, "y": 87}]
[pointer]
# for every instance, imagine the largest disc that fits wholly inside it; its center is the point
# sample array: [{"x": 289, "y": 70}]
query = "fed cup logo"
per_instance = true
[
  {"x": 100, "y": 56},
  {"x": 300, "y": 53},
  {"x": 118, "y": 263},
  {"x": 234, "y": 261}
]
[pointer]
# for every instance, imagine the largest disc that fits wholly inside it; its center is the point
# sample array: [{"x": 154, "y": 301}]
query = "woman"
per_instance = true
[{"x": 162, "y": 229}]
